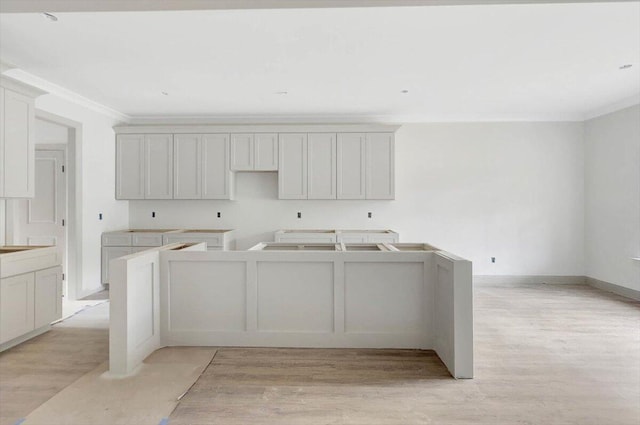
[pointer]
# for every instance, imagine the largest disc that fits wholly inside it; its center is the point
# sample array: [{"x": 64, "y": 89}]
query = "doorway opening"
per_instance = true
[{"x": 50, "y": 217}]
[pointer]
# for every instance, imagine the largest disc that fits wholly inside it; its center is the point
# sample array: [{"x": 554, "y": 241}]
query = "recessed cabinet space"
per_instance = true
[
  {"x": 201, "y": 167},
  {"x": 17, "y": 145},
  {"x": 254, "y": 152},
  {"x": 144, "y": 166}
]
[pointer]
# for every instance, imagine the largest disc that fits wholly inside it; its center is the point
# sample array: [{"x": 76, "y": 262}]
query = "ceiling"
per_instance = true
[{"x": 478, "y": 62}]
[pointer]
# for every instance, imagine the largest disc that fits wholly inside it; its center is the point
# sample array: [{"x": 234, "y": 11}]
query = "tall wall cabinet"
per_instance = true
[{"x": 17, "y": 149}]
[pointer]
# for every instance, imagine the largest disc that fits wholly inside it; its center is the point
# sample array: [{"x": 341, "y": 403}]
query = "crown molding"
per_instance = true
[
  {"x": 38, "y": 6},
  {"x": 20, "y": 87},
  {"x": 348, "y": 119},
  {"x": 5, "y": 66},
  {"x": 66, "y": 94},
  {"x": 612, "y": 107},
  {"x": 256, "y": 128}
]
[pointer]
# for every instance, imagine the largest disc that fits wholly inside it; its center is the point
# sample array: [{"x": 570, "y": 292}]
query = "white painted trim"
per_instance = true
[
  {"x": 22, "y": 338},
  {"x": 347, "y": 119},
  {"x": 35, "y": 6},
  {"x": 612, "y": 287},
  {"x": 66, "y": 94},
  {"x": 527, "y": 279},
  {"x": 256, "y": 128},
  {"x": 20, "y": 86},
  {"x": 74, "y": 202},
  {"x": 512, "y": 280},
  {"x": 613, "y": 107},
  {"x": 5, "y": 66}
]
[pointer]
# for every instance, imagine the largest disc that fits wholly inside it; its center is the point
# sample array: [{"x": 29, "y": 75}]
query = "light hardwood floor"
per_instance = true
[{"x": 544, "y": 354}]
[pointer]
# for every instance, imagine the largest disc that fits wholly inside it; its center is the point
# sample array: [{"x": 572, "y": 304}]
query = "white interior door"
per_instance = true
[{"x": 40, "y": 220}]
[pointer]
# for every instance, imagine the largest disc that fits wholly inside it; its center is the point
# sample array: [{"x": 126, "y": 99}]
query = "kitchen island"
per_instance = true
[{"x": 387, "y": 295}]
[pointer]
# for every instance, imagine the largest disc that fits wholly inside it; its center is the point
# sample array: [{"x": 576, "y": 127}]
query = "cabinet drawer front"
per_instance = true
[
  {"x": 211, "y": 240},
  {"x": 116, "y": 239},
  {"x": 383, "y": 238},
  {"x": 146, "y": 239},
  {"x": 306, "y": 238},
  {"x": 353, "y": 238}
]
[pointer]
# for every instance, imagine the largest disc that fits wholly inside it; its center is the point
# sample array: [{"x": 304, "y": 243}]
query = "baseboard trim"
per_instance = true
[
  {"x": 527, "y": 279},
  {"x": 22, "y": 338},
  {"x": 90, "y": 292},
  {"x": 612, "y": 287}
]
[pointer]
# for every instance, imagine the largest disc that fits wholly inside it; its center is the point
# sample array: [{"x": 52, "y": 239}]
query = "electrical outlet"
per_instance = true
[
  {"x": 369, "y": 214},
  {"x": 219, "y": 215},
  {"x": 153, "y": 214},
  {"x": 100, "y": 216},
  {"x": 493, "y": 259},
  {"x": 299, "y": 214}
]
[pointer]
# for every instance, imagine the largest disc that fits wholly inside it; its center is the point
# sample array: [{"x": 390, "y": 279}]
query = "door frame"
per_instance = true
[{"x": 73, "y": 171}]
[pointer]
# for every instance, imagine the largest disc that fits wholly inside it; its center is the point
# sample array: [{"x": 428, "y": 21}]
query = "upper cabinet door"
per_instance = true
[
  {"x": 216, "y": 177},
  {"x": 158, "y": 154},
  {"x": 2, "y": 142},
  {"x": 242, "y": 152},
  {"x": 351, "y": 166},
  {"x": 321, "y": 165},
  {"x": 380, "y": 166},
  {"x": 292, "y": 172},
  {"x": 265, "y": 152},
  {"x": 19, "y": 151},
  {"x": 187, "y": 169},
  {"x": 130, "y": 166}
]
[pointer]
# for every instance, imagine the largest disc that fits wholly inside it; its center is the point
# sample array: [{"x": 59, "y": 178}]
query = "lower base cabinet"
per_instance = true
[
  {"x": 29, "y": 301},
  {"x": 111, "y": 252},
  {"x": 48, "y": 296}
]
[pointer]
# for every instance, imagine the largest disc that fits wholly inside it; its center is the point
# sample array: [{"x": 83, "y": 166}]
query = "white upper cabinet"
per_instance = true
[
  {"x": 216, "y": 178},
  {"x": 265, "y": 152},
  {"x": 351, "y": 166},
  {"x": 292, "y": 166},
  {"x": 321, "y": 165},
  {"x": 158, "y": 162},
  {"x": 254, "y": 152},
  {"x": 242, "y": 152},
  {"x": 380, "y": 166},
  {"x": 130, "y": 166},
  {"x": 17, "y": 148},
  {"x": 313, "y": 162},
  {"x": 144, "y": 166},
  {"x": 187, "y": 173},
  {"x": 201, "y": 167}
]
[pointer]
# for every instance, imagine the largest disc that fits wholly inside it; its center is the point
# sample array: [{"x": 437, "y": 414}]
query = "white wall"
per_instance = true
[
  {"x": 513, "y": 191},
  {"x": 612, "y": 197},
  {"x": 51, "y": 133},
  {"x": 97, "y": 184}
]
